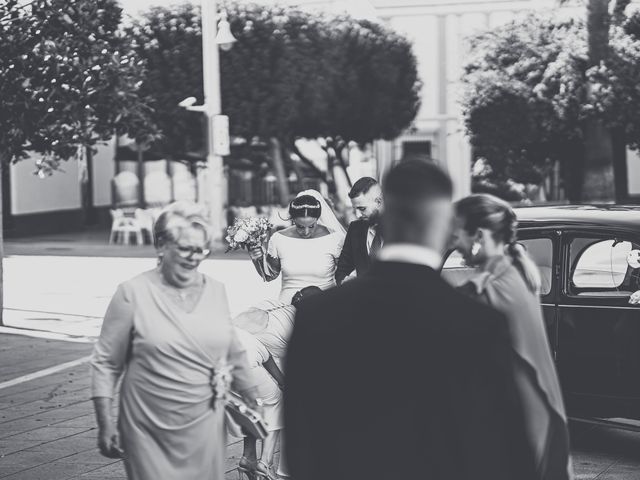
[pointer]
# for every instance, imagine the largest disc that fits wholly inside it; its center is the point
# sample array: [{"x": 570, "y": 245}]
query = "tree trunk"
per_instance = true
[
  {"x": 339, "y": 149},
  {"x": 620, "y": 170},
  {"x": 598, "y": 183},
  {"x": 296, "y": 168},
  {"x": 572, "y": 169},
  {"x": 280, "y": 171},
  {"x": 140, "y": 165}
]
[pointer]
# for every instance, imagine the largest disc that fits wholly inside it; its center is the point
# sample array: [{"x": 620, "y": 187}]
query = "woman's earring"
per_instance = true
[{"x": 475, "y": 248}]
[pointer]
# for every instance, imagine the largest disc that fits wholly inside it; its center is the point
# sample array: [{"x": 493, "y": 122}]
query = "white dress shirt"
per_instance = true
[
  {"x": 371, "y": 233},
  {"x": 411, "y": 253}
]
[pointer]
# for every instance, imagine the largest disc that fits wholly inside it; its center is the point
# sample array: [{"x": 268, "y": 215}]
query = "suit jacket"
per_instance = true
[
  {"x": 354, "y": 255},
  {"x": 397, "y": 375}
]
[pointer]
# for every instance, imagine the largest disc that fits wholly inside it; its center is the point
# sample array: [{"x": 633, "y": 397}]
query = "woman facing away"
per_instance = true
[
  {"x": 307, "y": 252},
  {"x": 507, "y": 279},
  {"x": 167, "y": 334}
]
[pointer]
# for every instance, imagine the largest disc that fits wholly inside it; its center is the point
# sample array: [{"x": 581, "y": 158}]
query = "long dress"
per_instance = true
[
  {"x": 169, "y": 425},
  {"x": 305, "y": 262},
  {"x": 501, "y": 285}
]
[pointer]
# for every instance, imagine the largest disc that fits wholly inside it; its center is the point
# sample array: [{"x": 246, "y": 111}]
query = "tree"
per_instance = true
[
  {"x": 291, "y": 74},
  {"x": 531, "y": 93},
  {"x": 68, "y": 81}
]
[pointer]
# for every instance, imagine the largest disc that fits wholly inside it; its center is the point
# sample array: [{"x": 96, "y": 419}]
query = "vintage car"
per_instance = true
[{"x": 589, "y": 260}]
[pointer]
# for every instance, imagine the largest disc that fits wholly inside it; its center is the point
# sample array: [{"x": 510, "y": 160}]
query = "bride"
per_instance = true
[{"x": 307, "y": 252}]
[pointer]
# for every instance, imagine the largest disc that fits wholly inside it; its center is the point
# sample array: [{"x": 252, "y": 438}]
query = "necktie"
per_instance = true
[{"x": 375, "y": 244}]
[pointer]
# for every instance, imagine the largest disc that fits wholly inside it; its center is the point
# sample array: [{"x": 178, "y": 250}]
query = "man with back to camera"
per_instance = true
[
  {"x": 364, "y": 238},
  {"x": 398, "y": 375}
]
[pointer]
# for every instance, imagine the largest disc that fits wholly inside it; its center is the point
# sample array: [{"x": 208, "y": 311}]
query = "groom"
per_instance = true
[
  {"x": 398, "y": 375},
  {"x": 364, "y": 238}
]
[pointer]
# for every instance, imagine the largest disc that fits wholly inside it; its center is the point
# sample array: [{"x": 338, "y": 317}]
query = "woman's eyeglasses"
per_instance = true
[{"x": 186, "y": 251}]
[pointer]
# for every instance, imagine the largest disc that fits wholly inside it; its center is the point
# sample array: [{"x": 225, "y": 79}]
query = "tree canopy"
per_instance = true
[
  {"x": 529, "y": 91},
  {"x": 290, "y": 74},
  {"x": 69, "y": 78}
]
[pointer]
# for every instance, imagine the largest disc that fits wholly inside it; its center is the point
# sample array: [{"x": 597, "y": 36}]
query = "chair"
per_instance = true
[
  {"x": 123, "y": 227},
  {"x": 157, "y": 189},
  {"x": 145, "y": 220},
  {"x": 125, "y": 189}
]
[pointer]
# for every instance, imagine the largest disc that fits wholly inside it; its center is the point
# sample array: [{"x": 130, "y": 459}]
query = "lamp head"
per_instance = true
[
  {"x": 224, "y": 38},
  {"x": 187, "y": 102}
]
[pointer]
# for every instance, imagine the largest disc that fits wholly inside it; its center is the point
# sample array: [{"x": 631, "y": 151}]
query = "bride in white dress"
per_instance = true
[{"x": 306, "y": 253}]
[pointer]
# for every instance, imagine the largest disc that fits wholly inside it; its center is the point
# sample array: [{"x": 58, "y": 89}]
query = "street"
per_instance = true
[{"x": 53, "y": 309}]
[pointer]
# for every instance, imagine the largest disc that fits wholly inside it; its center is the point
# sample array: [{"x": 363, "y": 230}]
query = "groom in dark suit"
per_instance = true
[
  {"x": 364, "y": 238},
  {"x": 396, "y": 375}
]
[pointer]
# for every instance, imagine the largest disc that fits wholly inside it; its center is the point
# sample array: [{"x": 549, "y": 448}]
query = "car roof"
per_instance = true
[{"x": 626, "y": 217}]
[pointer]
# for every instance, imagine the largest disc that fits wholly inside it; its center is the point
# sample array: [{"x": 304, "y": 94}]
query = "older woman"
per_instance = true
[
  {"x": 508, "y": 280},
  {"x": 168, "y": 334}
]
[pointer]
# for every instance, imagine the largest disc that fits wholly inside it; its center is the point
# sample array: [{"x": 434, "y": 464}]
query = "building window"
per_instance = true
[{"x": 416, "y": 149}]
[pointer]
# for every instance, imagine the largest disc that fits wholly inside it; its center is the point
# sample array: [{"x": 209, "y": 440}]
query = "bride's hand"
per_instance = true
[{"x": 256, "y": 252}]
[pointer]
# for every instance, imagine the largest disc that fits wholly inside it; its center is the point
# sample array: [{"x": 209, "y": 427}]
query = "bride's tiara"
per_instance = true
[{"x": 300, "y": 207}]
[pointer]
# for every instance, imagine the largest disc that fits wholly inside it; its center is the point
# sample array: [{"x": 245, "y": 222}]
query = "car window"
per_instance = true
[
  {"x": 599, "y": 267},
  {"x": 541, "y": 252},
  {"x": 455, "y": 271}
]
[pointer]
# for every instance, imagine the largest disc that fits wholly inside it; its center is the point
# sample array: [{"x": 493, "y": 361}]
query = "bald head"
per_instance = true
[{"x": 418, "y": 209}]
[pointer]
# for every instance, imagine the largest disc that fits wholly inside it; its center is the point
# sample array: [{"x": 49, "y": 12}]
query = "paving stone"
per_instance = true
[
  {"x": 47, "y": 434},
  {"x": 50, "y": 471}
]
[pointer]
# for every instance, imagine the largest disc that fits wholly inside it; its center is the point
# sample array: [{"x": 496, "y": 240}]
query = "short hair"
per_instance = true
[
  {"x": 178, "y": 216},
  {"x": 406, "y": 188},
  {"x": 362, "y": 186},
  {"x": 304, "y": 293},
  {"x": 415, "y": 180},
  {"x": 305, "y": 206}
]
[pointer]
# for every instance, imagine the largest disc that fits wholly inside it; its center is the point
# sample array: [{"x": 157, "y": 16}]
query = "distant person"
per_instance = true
[
  {"x": 364, "y": 238},
  {"x": 508, "y": 280},
  {"x": 167, "y": 334},
  {"x": 306, "y": 253},
  {"x": 264, "y": 330},
  {"x": 398, "y": 375}
]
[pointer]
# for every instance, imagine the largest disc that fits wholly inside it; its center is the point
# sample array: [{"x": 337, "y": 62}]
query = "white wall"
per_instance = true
[
  {"x": 32, "y": 194},
  {"x": 633, "y": 169}
]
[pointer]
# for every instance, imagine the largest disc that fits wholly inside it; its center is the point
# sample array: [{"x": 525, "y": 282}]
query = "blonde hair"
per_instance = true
[
  {"x": 176, "y": 217},
  {"x": 489, "y": 212}
]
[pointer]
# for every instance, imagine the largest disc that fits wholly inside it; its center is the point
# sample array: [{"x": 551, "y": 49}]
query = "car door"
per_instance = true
[
  {"x": 598, "y": 331},
  {"x": 543, "y": 247}
]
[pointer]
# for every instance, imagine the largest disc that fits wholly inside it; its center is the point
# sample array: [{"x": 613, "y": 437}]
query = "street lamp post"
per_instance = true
[
  {"x": 212, "y": 107},
  {"x": 217, "y": 126}
]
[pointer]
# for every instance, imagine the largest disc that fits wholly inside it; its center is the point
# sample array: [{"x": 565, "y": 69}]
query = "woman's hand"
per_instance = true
[
  {"x": 255, "y": 252},
  {"x": 635, "y": 298},
  {"x": 109, "y": 442}
]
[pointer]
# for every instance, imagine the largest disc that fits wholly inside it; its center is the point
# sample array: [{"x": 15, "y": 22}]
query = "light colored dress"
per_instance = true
[
  {"x": 501, "y": 285},
  {"x": 168, "y": 425},
  {"x": 305, "y": 262},
  {"x": 266, "y": 387}
]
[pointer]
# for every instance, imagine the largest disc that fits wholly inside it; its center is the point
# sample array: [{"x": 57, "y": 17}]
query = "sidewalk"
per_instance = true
[
  {"x": 47, "y": 424},
  {"x": 90, "y": 243}
]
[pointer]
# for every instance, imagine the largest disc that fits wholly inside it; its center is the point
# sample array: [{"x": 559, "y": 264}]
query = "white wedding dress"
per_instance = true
[{"x": 306, "y": 262}]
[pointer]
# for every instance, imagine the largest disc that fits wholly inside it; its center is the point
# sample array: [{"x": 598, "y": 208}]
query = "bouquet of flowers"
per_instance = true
[{"x": 248, "y": 232}]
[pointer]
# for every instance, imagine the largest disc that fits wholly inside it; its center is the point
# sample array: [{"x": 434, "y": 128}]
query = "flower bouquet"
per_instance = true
[{"x": 248, "y": 232}]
